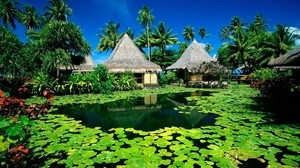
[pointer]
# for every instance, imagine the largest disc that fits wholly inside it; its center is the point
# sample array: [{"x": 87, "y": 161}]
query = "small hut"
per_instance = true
[
  {"x": 288, "y": 61},
  {"x": 127, "y": 57},
  {"x": 88, "y": 65},
  {"x": 189, "y": 63}
]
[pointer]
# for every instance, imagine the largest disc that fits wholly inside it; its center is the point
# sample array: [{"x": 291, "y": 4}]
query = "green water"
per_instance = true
[{"x": 147, "y": 113}]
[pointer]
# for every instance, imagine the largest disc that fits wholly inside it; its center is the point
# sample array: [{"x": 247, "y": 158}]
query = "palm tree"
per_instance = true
[
  {"x": 9, "y": 12},
  {"x": 182, "y": 47},
  {"x": 241, "y": 49},
  {"x": 163, "y": 37},
  {"x": 224, "y": 34},
  {"x": 109, "y": 38},
  {"x": 202, "y": 33},
  {"x": 130, "y": 32},
  {"x": 236, "y": 23},
  {"x": 146, "y": 19},
  {"x": 188, "y": 33},
  {"x": 279, "y": 42},
  {"x": 259, "y": 24},
  {"x": 30, "y": 17},
  {"x": 58, "y": 10},
  {"x": 208, "y": 48},
  {"x": 142, "y": 40}
]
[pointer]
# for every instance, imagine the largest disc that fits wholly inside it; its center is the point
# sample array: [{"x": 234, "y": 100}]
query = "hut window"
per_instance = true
[{"x": 139, "y": 78}]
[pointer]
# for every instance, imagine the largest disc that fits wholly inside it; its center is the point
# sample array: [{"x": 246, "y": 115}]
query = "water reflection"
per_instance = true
[{"x": 147, "y": 113}]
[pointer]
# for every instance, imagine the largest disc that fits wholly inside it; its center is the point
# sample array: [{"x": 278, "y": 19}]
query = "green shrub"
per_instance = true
[
  {"x": 124, "y": 81},
  {"x": 162, "y": 79},
  {"x": 171, "y": 77},
  {"x": 264, "y": 74}
]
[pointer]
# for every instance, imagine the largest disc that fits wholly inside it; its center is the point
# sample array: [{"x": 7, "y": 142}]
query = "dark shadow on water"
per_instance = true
[
  {"x": 253, "y": 163},
  {"x": 143, "y": 113},
  {"x": 282, "y": 110}
]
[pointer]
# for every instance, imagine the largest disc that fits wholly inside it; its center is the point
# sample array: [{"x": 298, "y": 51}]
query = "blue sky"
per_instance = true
[{"x": 213, "y": 15}]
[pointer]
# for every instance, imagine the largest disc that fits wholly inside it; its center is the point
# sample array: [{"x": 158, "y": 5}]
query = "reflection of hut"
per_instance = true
[
  {"x": 188, "y": 64},
  {"x": 88, "y": 65},
  {"x": 288, "y": 61},
  {"x": 127, "y": 57},
  {"x": 150, "y": 99}
]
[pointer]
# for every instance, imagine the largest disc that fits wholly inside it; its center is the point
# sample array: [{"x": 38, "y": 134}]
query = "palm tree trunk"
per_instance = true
[{"x": 148, "y": 41}]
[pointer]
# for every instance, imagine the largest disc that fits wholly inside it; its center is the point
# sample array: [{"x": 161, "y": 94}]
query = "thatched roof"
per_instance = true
[
  {"x": 87, "y": 66},
  {"x": 289, "y": 60},
  {"x": 192, "y": 58},
  {"x": 127, "y": 57}
]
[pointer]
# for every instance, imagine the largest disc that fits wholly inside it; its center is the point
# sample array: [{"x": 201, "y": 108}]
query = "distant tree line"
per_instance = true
[{"x": 54, "y": 41}]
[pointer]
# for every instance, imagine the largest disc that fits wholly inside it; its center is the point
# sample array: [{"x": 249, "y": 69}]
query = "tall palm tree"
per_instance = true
[
  {"x": 202, "y": 33},
  {"x": 30, "y": 17},
  {"x": 58, "y": 10},
  {"x": 188, "y": 33},
  {"x": 163, "y": 37},
  {"x": 146, "y": 19},
  {"x": 9, "y": 12},
  {"x": 109, "y": 38}
]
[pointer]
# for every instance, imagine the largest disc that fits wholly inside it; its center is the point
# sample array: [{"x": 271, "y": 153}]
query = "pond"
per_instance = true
[
  {"x": 147, "y": 113},
  {"x": 226, "y": 128}
]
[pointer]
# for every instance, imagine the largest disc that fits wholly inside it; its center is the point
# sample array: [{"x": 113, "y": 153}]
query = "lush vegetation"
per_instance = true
[
  {"x": 16, "y": 127},
  {"x": 249, "y": 129}
]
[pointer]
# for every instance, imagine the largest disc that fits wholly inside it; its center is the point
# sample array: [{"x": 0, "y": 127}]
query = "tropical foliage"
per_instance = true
[
  {"x": 30, "y": 17},
  {"x": 188, "y": 33},
  {"x": 9, "y": 12},
  {"x": 57, "y": 10},
  {"x": 110, "y": 37},
  {"x": 10, "y": 53},
  {"x": 251, "y": 48},
  {"x": 16, "y": 127},
  {"x": 163, "y": 37}
]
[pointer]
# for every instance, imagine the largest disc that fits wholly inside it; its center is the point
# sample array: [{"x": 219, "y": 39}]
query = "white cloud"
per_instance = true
[
  {"x": 297, "y": 42},
  {"x": 295, "y": 31}
]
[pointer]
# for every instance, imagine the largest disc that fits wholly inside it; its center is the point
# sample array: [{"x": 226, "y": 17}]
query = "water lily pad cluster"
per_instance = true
[{"x": 241, "y": 136}]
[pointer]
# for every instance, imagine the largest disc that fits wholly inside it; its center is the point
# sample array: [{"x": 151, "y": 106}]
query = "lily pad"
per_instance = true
[{"x": 289, "y": 162}]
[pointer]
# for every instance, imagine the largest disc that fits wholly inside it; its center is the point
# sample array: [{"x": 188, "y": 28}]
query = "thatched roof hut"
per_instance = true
[
  {"x": 290, "y": 60},
  {"x": 127, "y": 57},
  {"x": 87, "y": 66},
  {"x": 192, "y": 58}
]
